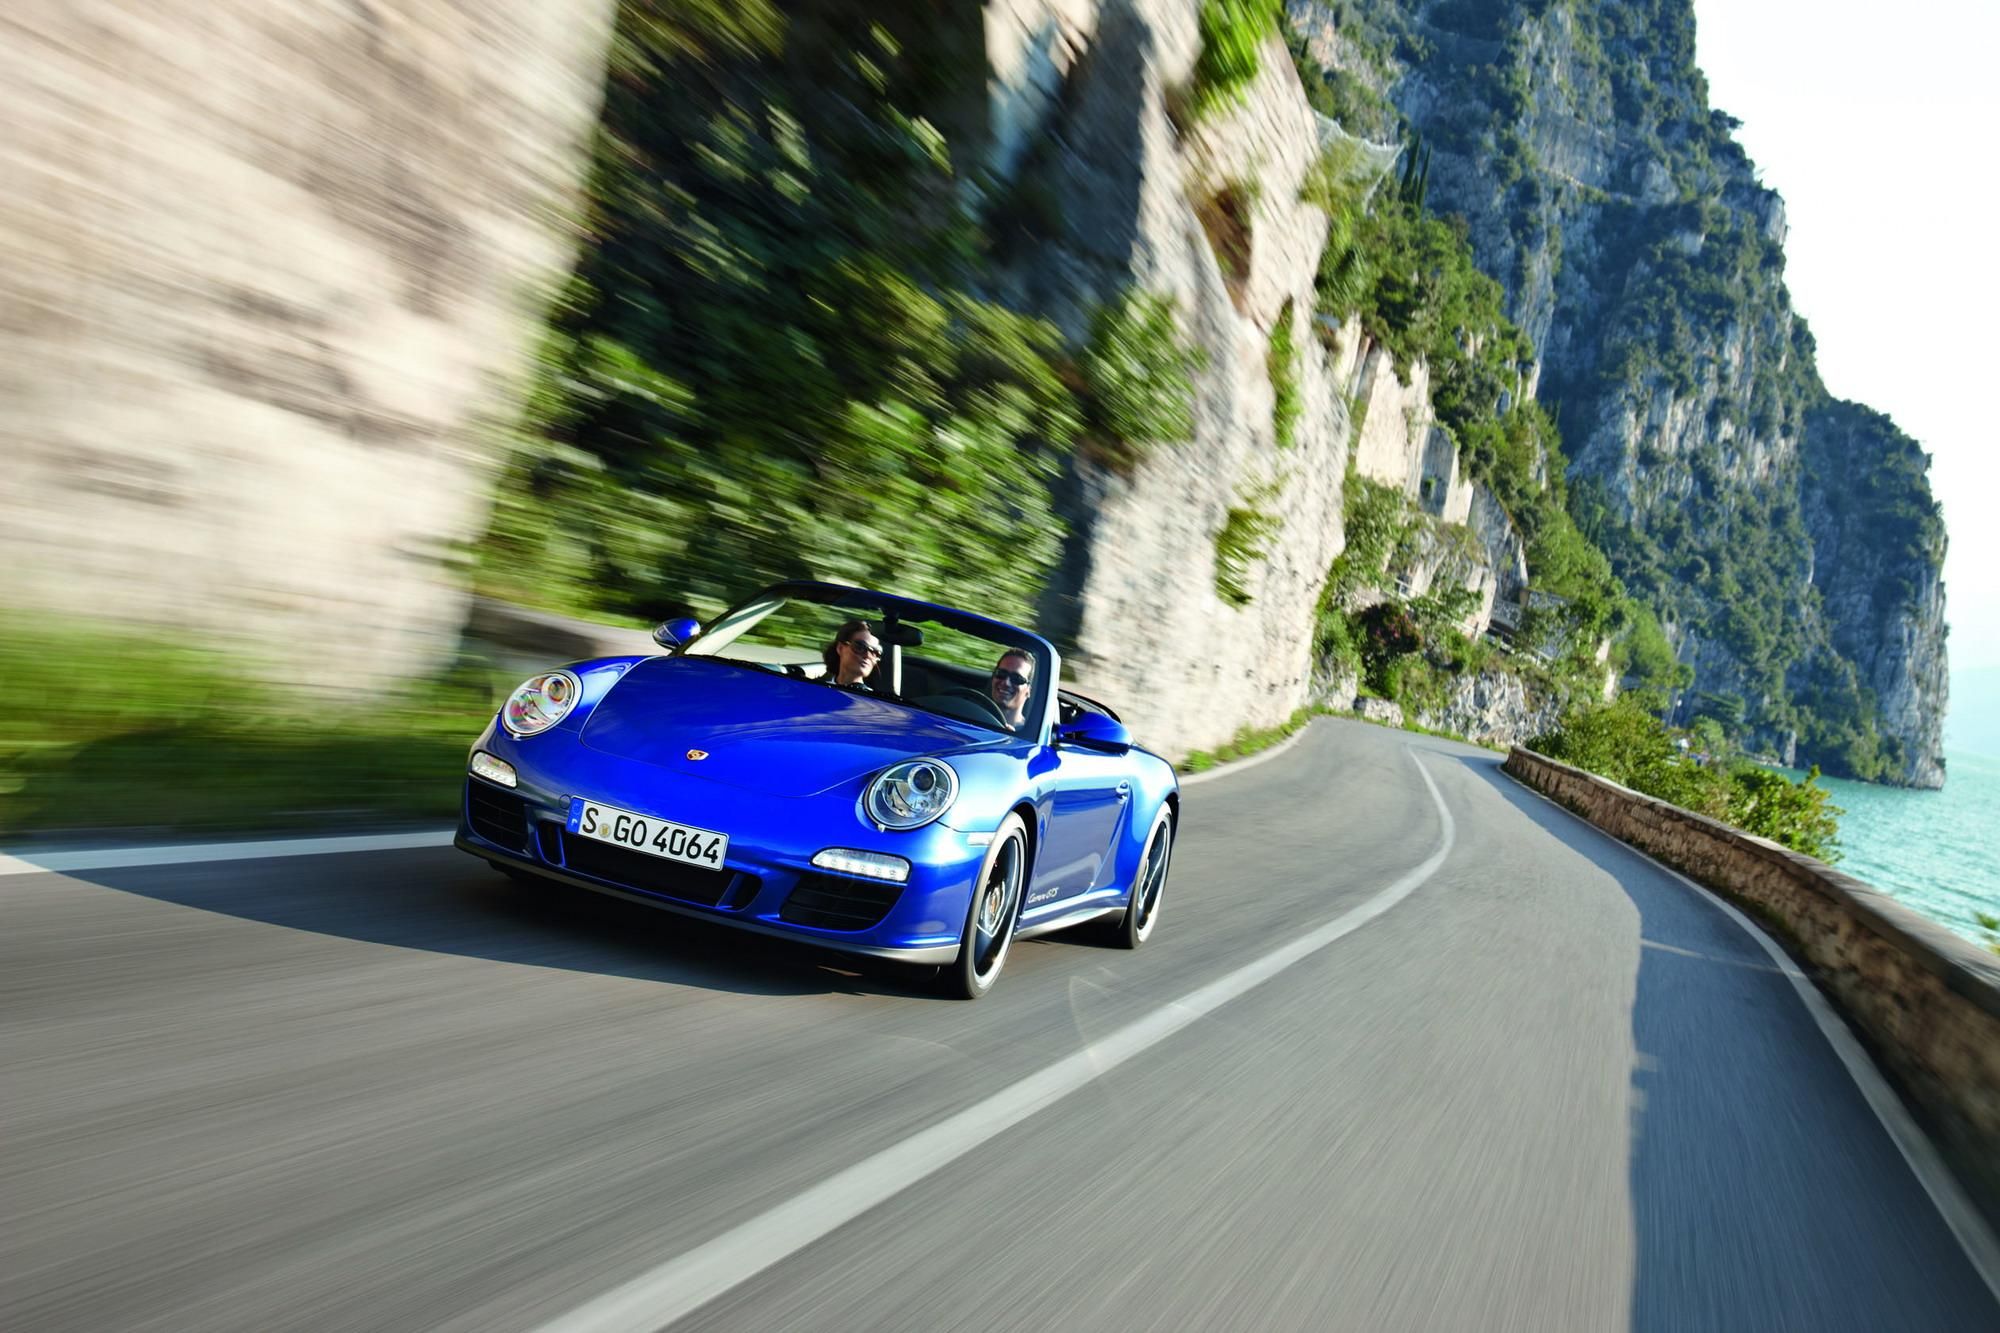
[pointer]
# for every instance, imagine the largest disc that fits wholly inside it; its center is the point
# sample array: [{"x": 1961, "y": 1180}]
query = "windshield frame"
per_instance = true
[{"x": 715, "y": 638}]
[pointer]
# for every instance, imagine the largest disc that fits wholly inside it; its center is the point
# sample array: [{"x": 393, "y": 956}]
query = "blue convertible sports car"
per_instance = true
[{"x": 848, "y": 768}]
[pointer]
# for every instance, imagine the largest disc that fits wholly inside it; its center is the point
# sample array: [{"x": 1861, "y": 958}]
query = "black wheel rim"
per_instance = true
[
  {"x": 1152, "y": 880},
  {"x": 994, "y": 912}
]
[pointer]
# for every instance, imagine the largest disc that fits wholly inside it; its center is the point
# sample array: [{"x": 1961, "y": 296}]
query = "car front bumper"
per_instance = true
[{"x": 769, "y": 884}]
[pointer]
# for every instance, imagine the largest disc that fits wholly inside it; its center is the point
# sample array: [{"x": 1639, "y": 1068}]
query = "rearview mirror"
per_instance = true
[
  {"x": 674, "y": 633},
  {"x": 1096, "y": 731}
]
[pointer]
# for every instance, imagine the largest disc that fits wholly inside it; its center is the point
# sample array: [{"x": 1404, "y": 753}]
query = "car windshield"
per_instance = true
[{"x": 961, "y": 667}]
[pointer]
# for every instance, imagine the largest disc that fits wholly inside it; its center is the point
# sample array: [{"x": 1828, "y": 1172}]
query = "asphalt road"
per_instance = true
[{"x": 1551, "y": 1088}]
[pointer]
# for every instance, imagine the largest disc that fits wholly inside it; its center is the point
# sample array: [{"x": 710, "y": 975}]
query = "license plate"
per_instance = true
[{"x": 648, "y": 834}]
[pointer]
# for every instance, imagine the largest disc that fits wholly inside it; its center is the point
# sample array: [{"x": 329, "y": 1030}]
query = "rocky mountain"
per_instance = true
[{"x": 1788, "y": 541}]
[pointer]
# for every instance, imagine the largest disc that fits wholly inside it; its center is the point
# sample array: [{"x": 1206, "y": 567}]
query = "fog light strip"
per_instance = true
[
  {"x": 873, "y": 865},
  {"x": 493, "y": 770}
]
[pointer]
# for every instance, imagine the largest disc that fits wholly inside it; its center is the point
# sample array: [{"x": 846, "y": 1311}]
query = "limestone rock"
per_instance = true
[
  {"x": 265, "y": 268},
  {"x": 1380, "y": 710},
  {"x": 1134, "y": 602},
  {"x": 1494, "y": 708}
]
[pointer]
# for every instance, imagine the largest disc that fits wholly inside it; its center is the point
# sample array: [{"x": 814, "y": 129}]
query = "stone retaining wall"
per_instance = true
[{"x": 1924, "y": 999}]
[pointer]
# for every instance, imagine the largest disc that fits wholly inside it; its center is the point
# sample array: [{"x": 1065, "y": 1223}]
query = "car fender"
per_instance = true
[
  {"x": 596, "y": 675},
  {"x": 1153, "y": 786},
  {"x": 992, "y": 782}
]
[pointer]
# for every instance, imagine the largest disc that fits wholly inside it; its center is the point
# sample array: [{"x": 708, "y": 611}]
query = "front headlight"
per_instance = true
[
  {"x": 911, "y": 794},
  {"x": 540, "y": 703}
]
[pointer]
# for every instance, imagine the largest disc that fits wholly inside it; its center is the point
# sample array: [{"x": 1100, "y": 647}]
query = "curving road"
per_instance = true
[{"x": 1514, "y": 1078}]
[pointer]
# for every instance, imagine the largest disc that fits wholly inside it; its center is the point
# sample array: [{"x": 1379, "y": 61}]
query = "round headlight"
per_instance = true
[
  {"x": 541, "y": 702},
  {"x": 911, "y": 794}
]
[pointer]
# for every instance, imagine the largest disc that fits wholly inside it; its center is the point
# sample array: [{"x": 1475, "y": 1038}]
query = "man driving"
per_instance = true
[{"x": 1012, "y": 676}]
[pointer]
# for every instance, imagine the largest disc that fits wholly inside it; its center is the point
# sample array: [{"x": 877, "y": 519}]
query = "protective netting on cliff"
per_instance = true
[{"x": 1371, "y": 160}]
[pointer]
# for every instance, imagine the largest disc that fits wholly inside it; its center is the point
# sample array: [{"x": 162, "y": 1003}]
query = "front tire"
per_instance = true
[
  {"x": 990, "y": 918},
  {"x": 1149, "y": 885}
]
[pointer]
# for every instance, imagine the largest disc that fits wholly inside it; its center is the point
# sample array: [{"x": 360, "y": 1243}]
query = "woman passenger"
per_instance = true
[{"x": 852, "y": 655}]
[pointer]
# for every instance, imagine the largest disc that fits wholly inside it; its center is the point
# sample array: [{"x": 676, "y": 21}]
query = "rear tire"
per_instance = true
[
  {"x": 1149, "y": 885},
  {"x": 990, "y": 917}
]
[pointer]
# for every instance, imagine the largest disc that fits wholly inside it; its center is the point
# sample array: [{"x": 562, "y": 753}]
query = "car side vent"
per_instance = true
[
  {"x": 835, "y": 902},
  {"x": 497, "y": 816}
]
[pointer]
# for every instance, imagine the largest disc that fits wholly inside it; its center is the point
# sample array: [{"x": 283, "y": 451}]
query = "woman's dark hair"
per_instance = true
[{"x": 840, "y": 636}]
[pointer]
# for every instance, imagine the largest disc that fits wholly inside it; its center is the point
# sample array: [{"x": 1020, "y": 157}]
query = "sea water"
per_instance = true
[{"x": 1934, "y": 851}]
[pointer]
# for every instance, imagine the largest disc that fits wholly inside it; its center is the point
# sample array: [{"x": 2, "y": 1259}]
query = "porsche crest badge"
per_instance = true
[{"x": 697, "y": 755}]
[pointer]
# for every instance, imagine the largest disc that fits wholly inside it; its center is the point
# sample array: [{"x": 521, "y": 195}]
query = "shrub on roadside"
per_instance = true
[
  {"x": 1388, "y": 634},
  {"x": 1246, "y": 742},
  {"x": 1631, "y": 747},
  {"x": 1798, "y": 814}
]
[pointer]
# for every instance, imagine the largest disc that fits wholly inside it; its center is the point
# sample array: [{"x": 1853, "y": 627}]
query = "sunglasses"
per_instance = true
[
  {"x": 865, "y": 648},
  {"x": 1012, "y": 677}
]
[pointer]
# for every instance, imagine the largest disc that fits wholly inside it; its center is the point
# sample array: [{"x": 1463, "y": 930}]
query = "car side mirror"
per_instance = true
[
  {"x": 674, "y": 633},
  {"x": 1096, "y": 731}
]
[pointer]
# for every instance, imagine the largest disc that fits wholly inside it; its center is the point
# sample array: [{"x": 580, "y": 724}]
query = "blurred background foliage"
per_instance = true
[
  {"x": 138, "y": 731},
  {"x": 777, "y": 356}
]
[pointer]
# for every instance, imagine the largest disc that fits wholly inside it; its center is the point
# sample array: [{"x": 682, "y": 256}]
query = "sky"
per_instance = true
[{"x": 1876, "y": 124}]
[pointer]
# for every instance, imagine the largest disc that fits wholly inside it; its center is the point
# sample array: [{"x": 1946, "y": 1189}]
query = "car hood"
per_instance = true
[{"x": 760, "y": 730}]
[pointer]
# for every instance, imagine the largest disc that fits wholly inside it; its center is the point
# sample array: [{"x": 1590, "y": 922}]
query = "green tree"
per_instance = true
[{"x": 776, "y": 357}]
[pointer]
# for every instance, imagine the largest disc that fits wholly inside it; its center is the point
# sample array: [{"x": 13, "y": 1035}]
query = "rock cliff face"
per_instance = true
[
  {"x": 1493, "y": 708},
  {"x": 1646, "y": 262},
  {"x": 265, "y": 267},
  {"x": 1080, "y": 109},
  {"x": 1878, "y": 545},
  {"x": 1470, "y": 542}
]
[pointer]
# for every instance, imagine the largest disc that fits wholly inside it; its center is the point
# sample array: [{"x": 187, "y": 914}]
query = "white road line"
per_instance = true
[
  {"x": 1966, "y": 1223},
  {"x": 684, "y": 1284},
  {"x": 119, "y": 858}
]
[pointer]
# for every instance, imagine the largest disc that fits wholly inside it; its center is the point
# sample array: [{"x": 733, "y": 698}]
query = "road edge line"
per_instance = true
[
  {"x": 193, "y": 853},
  {"x": 1965, "y": 1222},
  {"x": 1236, "y": 766},
  {"x": 671, "y": 1291}
]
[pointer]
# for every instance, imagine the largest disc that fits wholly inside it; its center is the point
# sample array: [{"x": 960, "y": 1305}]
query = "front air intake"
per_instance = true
[
  {"x": 836, "y": 902},
  {"x": 496, "y": 815}
]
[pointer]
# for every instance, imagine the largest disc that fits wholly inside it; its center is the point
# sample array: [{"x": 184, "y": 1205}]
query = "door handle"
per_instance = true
[{"x": 1124, "y": 790}]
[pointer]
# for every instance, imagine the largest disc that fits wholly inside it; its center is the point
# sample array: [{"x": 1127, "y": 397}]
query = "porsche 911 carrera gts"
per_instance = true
[{"x": 945, "y": 800}]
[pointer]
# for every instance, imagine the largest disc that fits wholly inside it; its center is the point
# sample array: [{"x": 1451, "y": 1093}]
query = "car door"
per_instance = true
[{"x": 1085, "y": 794}]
